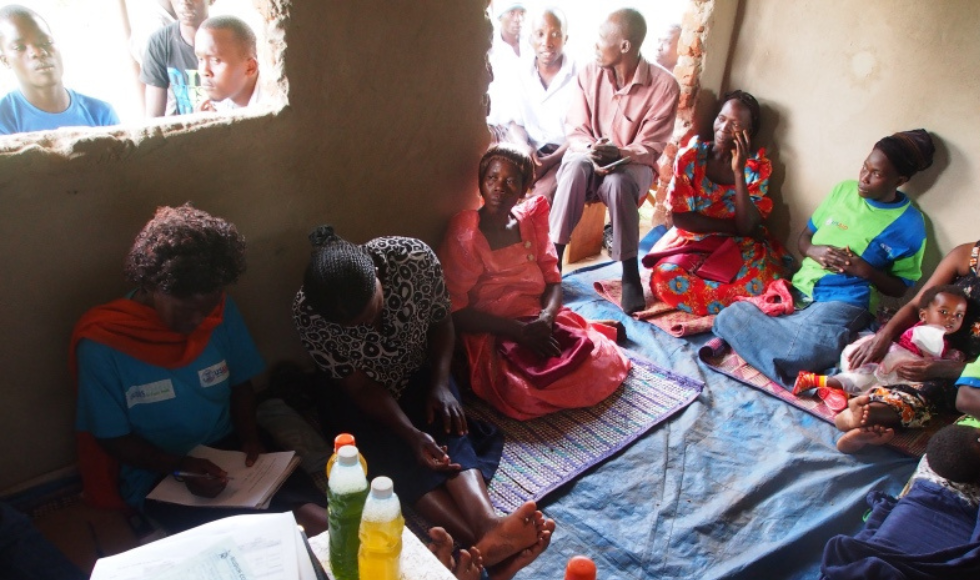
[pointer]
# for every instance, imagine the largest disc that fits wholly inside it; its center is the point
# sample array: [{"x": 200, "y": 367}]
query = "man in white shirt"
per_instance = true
[
  {"x": 667, "y": 47},
  {"x": 545, "y": 88},
  {"x": 505, "y": 58},
  {"x": 227, "y": 63}
]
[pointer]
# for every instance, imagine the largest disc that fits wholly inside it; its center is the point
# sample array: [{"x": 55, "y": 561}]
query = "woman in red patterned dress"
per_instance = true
[{"x": 718, "y": 248}]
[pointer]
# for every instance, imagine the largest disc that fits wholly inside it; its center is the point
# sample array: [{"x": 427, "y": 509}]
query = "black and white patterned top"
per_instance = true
[
  {"x": 967, "y": 338},
  {"x": 415, "y": 298}
]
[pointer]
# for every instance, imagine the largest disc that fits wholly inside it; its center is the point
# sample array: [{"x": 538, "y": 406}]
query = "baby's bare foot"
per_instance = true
[
  {"x": 854, "y": 415},
  {"x": 856, "y": 439}
]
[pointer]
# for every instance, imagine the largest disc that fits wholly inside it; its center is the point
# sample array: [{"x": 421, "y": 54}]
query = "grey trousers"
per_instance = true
[{"x": 621, "y": 191}]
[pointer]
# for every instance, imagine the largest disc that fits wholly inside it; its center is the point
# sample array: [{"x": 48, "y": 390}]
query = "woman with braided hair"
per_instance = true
[{"x": 376, "y": 320}]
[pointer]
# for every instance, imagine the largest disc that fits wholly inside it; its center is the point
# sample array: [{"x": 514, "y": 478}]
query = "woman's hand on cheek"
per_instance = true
[{"x": 740, "y": 153}]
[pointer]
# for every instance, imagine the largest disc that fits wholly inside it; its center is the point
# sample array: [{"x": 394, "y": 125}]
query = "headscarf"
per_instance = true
[{"x": 908, "y": 151}]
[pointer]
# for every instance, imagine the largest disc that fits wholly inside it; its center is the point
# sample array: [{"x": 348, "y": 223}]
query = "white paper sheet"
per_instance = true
[
  {"x": 270, "y": 545},
  {"x": 249, "y": 487},
  {"x": 222, "y": 561}
]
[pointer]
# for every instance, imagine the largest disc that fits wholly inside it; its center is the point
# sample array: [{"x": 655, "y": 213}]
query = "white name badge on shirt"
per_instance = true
[
  {"x": 150, "y": 393},
  {"x": 214, "y": 374}
]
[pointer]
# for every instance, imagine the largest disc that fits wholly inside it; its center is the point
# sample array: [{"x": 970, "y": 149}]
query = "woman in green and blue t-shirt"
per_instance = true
[{"x": 865, "y": 238}]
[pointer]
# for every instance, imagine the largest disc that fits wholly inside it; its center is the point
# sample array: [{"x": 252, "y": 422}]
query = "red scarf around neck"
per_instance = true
[{"x": 136, "y": 330}]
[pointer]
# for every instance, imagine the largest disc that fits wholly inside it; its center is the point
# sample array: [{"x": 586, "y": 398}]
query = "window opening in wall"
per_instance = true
[
  {"x": 99, "y": 49},
  {"x": 583, "y": 18},
  {"x": 535, "y": 81}
]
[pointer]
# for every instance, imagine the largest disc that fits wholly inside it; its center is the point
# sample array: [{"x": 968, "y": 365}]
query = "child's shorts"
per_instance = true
[{"x": 912, "y": 410}]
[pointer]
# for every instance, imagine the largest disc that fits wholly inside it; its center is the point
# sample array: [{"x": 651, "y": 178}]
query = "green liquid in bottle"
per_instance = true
[{"x": 344, "y": 513}]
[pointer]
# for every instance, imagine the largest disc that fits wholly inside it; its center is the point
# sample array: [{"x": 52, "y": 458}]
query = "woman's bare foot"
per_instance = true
[
  {"x": 442, "y": 546},
  {"x": 511, "y": 566},
  {"x": 511, "y": 534},
  {"x": 856, "y": 439},
  {"x": 855, "y": 415},
  {"x": 470, "y": 565}
]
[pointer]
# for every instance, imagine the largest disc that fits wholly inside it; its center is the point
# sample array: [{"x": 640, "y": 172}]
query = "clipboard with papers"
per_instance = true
[{"x": 248, "y": 487}]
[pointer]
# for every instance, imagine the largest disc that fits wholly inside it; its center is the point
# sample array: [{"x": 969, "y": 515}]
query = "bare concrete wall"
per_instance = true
[
  {"x": 834, "y": 76},
  {"x": 382, "y": 136}
]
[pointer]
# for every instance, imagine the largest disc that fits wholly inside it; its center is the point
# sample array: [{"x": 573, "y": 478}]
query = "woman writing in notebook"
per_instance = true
[{"x": 169, "y": 367}]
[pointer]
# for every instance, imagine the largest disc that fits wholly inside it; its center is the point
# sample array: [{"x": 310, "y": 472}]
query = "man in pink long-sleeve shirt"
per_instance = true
[{"x": 623, "y": 111}]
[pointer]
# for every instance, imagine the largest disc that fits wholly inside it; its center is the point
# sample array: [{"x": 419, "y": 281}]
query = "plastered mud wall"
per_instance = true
[
  {"x": 835, "y": 76},
  {"x": 381, "y": 135}
]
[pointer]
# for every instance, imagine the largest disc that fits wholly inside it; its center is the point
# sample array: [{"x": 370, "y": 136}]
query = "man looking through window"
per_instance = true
[
  {"x": 42, "y": 101},
  {"x": 170, "y": 63},
  {"x": 226, "y": 62}
]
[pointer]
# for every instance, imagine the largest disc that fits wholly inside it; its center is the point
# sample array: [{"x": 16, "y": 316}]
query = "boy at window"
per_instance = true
[
  {"x": 226, "y": 62},
  {"x": 170, "y": 64},
  {"x": 42, "y": 101}
]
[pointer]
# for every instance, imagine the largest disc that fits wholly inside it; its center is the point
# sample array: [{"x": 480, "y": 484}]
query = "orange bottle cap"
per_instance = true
[
  {"x": 580, "y": 568},
  {"x": 343, "y": 440}
]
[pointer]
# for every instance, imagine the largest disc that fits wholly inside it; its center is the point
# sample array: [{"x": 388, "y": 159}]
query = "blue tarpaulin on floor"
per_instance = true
[{"x": 739, "y": 485}]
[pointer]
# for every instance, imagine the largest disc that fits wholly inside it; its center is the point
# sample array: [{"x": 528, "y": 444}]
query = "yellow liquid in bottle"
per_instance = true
[{"x": 379, "y": 557}]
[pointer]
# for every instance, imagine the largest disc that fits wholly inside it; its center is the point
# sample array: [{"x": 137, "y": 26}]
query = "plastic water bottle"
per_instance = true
[
  {"x": 580, "y": 568},
  {"x": 339, "y": 441},
  {"x": 347, "y": 490},
  {"x": 381, "y": 533}
]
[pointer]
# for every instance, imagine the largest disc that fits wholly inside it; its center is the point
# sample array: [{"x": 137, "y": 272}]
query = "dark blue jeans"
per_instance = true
[{"x": 781, "y": 346}]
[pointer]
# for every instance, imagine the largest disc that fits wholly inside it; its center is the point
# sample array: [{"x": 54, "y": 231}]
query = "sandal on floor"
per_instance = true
[{"x": 835, "y": 399}]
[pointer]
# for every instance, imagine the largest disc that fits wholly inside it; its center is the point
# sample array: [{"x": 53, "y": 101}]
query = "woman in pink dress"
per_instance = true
[{"x": 528, "y": 356}]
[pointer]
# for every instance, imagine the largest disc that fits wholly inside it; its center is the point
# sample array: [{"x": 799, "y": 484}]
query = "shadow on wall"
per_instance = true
[
  {"x": 923, "y": 182},
  {"x": 781, "y": 216},
  {"x": 921, "y": 185}
]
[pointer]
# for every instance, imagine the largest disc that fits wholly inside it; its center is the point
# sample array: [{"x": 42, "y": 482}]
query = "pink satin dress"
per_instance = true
[{"x": 509, "y": 282}]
